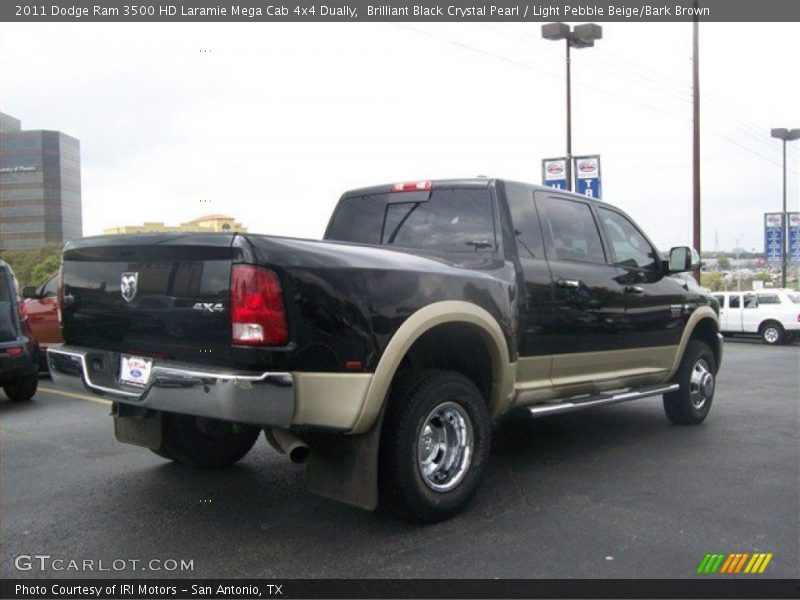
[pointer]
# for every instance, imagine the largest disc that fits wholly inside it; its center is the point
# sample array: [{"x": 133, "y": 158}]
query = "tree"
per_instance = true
[
  {"x": 723, "y": 263},
  {"x": 713, "y": 281},
  {"x": 33, "y": 267}
]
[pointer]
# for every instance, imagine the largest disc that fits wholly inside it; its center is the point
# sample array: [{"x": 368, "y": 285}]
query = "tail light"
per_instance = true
[
  {"x": 798, "y": 318},
  {"x": 258, "y": 317},
  {"x": 14, "y": 351},
  {"x": 60, "y": 298}
]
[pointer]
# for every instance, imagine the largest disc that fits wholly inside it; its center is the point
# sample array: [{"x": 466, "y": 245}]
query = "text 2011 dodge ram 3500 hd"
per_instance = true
[{"x": 382, "y": 353}]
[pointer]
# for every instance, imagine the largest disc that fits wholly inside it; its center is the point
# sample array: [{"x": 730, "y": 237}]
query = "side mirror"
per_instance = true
[
  {"x": 682, "y": 259},
  {"x": 29, "y": 291}
]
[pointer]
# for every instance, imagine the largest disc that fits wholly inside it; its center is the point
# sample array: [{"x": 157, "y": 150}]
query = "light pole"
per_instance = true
[
  {"x": 582, "y": 36},
  {"x": 785, "y": 135}
]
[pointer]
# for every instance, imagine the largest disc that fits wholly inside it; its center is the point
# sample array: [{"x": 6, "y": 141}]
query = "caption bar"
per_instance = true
[
  {"x": 127, "y": 589},
  {"x": 400, "y": 10}
]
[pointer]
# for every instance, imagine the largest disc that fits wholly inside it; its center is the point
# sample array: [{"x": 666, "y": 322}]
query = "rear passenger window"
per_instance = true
[
  {"x": 735, "y": 302},
  {"x": 750, "y": 301},
  {"x": 768, "y": 299},
  {"x": 571, "y": 232},
  {"x": 527, "y": 231}
]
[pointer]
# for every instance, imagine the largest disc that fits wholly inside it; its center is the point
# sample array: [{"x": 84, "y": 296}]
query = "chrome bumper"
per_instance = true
[{"x": 244, "y": 397}]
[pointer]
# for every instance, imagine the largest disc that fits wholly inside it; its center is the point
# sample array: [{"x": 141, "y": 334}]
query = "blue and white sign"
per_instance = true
[
  {"x": 554, "y": 173},
  {"x": 773, "y": 237},
  {"x": 794, "y": 237},
  {"x": 587, "y": 176}
]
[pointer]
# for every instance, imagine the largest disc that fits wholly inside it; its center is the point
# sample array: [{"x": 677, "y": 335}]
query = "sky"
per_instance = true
[{"x": 270, "y": 123}]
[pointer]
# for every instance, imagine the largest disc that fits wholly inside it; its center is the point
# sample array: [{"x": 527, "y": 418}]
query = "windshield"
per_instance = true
[
  {"x": 794, "y": 298},
  {"x": 449, "y": 220}
]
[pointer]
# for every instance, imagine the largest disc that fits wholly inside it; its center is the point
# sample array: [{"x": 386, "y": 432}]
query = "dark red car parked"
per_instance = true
[{"x": 41, "y": 305}]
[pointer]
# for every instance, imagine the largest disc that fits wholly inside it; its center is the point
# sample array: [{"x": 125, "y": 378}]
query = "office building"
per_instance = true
[{"x": 40, "y": 187}]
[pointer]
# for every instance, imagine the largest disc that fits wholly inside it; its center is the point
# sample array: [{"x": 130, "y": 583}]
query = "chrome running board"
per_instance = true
[{"x": 602, "y": 400}]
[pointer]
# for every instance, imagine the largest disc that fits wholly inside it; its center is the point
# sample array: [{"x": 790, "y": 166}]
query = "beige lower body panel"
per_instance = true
[
  {"x": 330, "y": 400},
  {"x": 590, "y": 373}
]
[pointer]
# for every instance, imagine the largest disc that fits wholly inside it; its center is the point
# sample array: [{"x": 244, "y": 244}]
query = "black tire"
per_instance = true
[
  {"x": 208, "y": 443},
  {"x": 22, "y": 389},
  {"x": 418, "y": 400},
  {"x": 772, "y": 333},
  {"x": 691, "y": 403}
]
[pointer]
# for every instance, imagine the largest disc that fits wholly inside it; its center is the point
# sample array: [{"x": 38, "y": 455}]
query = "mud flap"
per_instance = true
[
  {"x": 140, "y": 428},
  {"x": 345, "y": 467}
]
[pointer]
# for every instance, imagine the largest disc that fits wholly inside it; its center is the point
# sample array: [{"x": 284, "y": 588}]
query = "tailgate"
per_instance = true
[{"x": 161, "y": 295}]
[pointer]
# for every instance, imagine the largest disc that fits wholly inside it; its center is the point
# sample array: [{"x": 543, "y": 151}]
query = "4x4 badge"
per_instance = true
[{"x": 127, "y": 286}]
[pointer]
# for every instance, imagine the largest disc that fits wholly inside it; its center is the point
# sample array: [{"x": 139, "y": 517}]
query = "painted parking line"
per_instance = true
[{"x": 73, "y": 395}]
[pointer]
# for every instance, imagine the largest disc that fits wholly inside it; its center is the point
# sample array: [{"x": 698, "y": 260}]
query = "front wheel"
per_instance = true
[
  {"x": 434, "y": 445},
  {"x": 697, "y": 379},
  {"x": 772, "y": 333},
  {"x": 201, "y": 442},
  {"x": 22, "y": 389}
]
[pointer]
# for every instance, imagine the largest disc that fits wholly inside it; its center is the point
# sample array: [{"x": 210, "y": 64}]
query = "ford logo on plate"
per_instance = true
[{"x": 136, "y": 373}]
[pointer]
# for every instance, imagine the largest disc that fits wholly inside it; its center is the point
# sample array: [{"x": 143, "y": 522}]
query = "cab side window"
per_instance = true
[
  {"x": 768, "y": 299},
  {"x": 631, "y": 248},
  {"x": 570, "y": 231},
  {"x": 721, "y": 300},
  {"x": 734, "y": 302},
  {"x": 750, "y": 301}
]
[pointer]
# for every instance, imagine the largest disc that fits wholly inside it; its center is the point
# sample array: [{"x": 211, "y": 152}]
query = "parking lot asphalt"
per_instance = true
[{"x": 615, "y": 492}]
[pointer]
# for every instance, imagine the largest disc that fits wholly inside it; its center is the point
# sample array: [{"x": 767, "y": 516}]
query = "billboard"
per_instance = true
[
  {"x": 794, "y": 237},
  {"x": 554, "y": 173},
  {"x": 587, "y": 176},
  {"x": 773, "y": 237}
]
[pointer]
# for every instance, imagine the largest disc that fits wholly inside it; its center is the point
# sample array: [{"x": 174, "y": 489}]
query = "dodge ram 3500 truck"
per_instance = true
[{"x": 381, "y": 354}]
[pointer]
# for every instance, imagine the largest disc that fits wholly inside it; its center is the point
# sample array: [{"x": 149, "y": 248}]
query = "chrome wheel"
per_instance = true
[
  {"x": 701, "y": 384},
  {"x": 445, "y": 446},
  {"x": 771, "y": 335}
]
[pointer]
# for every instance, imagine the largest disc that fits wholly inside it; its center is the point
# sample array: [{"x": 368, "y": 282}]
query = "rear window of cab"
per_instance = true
[{"x": 444, "y": 220}]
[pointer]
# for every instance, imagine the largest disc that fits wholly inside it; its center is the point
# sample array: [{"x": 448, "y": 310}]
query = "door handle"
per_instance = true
[
  {"x": 568, "y": 283},
  {"x": 634, "y": 289}
]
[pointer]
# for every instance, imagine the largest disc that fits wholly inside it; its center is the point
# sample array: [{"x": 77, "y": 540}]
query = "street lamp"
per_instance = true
[
  {"x": 785, "y": 135},
  {"x": 582, "y": 36}
]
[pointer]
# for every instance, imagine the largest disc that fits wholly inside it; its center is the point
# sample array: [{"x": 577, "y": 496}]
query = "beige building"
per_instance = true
[{"x": 207, "y": 224}]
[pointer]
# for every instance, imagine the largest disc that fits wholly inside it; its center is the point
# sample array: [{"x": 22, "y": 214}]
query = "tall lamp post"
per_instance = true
[
  {"x": 582, "y": 36},
  {"x": 785, "y": 135}
]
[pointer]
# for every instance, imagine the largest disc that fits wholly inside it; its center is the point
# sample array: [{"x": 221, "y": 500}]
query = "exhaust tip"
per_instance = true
[{"x": 299, "y": 454}]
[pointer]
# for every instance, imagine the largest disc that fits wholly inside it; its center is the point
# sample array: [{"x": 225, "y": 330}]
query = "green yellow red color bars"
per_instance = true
[{"x": 735, "y": 562}]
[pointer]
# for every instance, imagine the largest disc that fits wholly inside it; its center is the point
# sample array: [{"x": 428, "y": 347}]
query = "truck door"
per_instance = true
[
  {"x": 751, "y": 315},
  {"x": 654, "y": 302},
  {"x": 586, "y": 328},
  {"x": 732, "y": 315},
  {"x": 536, "y": 308}
]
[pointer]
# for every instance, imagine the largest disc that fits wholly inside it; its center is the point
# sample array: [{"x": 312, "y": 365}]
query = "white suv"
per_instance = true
[{"x": 772, "y": 314}]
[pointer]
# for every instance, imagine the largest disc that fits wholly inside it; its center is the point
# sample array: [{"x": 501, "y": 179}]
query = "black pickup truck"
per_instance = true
[{"x": 381, "y": 354}]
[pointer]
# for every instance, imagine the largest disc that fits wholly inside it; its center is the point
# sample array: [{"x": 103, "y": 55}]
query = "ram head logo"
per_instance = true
[{"x": 128, "y": 286}]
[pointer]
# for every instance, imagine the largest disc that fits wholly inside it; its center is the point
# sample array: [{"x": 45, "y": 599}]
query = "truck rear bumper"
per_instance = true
[{"x": 257, "y": 398}]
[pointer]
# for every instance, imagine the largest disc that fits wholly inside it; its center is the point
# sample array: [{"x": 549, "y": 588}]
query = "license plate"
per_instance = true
[{"x": 135, "y": 370}]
